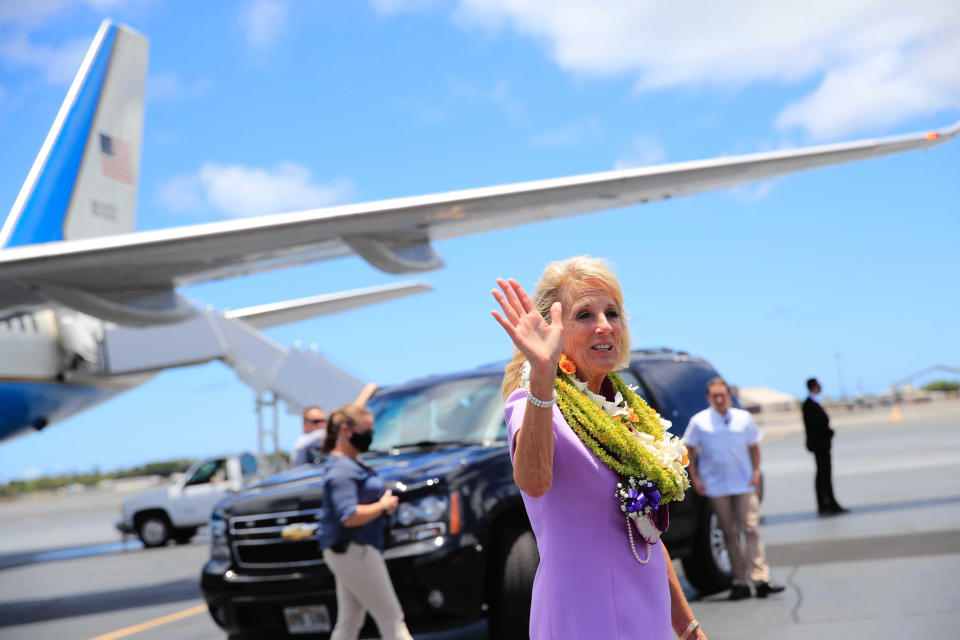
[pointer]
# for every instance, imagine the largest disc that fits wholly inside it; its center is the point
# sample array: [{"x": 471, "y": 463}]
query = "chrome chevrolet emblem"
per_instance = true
[{"x": 298, "y": 531}]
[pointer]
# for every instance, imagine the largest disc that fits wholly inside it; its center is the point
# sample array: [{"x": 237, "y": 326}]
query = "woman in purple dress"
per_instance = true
[{"x": 593, "y": 461}]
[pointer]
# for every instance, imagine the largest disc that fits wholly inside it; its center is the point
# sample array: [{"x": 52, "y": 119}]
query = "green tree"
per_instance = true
[
  {"x": 52, "y": 483},
  {"x": 943, "y": 385}
]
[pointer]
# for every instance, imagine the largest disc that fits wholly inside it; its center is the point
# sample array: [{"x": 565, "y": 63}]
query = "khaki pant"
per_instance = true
[
  {"x": 363, "y": 584},
  {"x": 741, "y": 513}
]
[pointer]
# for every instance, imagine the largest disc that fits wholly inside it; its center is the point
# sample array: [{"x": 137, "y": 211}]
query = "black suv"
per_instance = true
[{"x": 459, "y": 545}]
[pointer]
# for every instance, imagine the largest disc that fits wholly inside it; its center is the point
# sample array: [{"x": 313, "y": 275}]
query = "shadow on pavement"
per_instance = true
[
  {"x": 790, "y": 518},
  {"x": 30, "y": 611},
  {"x": 21, "y": 558},
  {"x": 473, "y": 631},
  {"x": 859, "y": 549}
]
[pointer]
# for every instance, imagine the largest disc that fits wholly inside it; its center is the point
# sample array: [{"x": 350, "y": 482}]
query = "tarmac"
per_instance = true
[{"x": 890, "y": 569}]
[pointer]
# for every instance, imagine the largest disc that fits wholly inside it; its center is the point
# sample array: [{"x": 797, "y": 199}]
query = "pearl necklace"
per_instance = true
[{"x": 633, "y": 546}]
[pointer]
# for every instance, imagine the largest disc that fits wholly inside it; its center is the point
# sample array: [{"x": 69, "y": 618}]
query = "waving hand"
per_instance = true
[{"x": 539, "y": 342}]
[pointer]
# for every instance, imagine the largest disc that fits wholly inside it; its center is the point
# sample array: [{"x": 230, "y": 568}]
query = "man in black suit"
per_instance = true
[{"x": 816, "y": 422}]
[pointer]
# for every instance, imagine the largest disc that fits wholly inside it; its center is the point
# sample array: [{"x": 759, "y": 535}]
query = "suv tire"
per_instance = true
[
  {"x": 184, "y": 535},
  {"x": 708, "y": 566},
  {"x": 517, "y": 560},
  {"x": 153, "y": 529}
]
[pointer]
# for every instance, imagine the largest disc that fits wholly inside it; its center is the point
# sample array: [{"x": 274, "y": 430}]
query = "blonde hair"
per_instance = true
[{"x": 553, "y": 284}]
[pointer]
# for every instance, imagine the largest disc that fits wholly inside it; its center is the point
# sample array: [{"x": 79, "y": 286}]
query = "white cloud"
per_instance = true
[
  {"x": 58, "y": 64},
  {"x": 393, "y": 7},
  {"x": 35, "y": 12},
  {"x": 876, "y": 61},
  {"x": 461, "y": 95},
  {"x": 29, "y": 13},
  {"x": 753, "y": 193},
  {"x": 241, "y": 191},
  {"x": 501, "y": 96},
  {"x": 922, "y": 81},
  {"x": 569, "y": 135},
  {"x": 263, "y": 21},
  {"x": 31, "y": 473},
  {"x": 644, "y": 151},
  {"x": 167, "y": 85},
  {"x": 164, "y": 137},
  {"x": 183, "y": 194}
]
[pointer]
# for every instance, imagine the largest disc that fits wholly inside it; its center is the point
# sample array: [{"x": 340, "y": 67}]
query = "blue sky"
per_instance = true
[{"x": 271, "y": 106}]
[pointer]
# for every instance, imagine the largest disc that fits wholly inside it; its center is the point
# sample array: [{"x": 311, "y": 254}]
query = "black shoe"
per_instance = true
[
  {"x": 766, "y": 588},
  {"x": 831, "y": 510},
  {"x": 739, "y": 592}
]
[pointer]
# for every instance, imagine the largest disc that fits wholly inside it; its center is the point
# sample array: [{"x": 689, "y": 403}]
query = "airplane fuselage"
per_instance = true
[{"x": 41, "y": 380}]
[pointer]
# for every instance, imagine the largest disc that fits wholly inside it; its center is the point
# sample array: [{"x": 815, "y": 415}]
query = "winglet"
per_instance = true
[{"x": 944, "y": 134}]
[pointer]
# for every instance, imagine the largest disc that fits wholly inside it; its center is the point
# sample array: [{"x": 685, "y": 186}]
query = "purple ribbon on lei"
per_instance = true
[{"x": 637, "y": 500}]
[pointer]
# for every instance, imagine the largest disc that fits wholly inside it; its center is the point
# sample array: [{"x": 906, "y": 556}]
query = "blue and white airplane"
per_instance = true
[{"x": 89, "y": 307}]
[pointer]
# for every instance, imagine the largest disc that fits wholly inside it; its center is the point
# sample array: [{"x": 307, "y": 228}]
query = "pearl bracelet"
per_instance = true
[
  {"x": 537, "y": 402},
  {"x": 688, "y": 632}
]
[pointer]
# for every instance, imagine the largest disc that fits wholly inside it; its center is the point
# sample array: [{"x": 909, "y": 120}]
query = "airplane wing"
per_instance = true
[
  {"x": 68, "y": 240},
  {"x": 392, "y": 235},
  {"x": 277, "y": 313}
]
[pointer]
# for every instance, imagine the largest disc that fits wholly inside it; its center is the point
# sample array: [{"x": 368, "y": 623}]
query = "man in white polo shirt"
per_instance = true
[
  {"x": 725, "y": 467},
  {"x": 309, "y": 446}
]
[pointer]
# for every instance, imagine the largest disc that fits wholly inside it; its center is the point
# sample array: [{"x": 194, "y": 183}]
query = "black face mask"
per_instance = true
[{"x": 361, "y": 440}]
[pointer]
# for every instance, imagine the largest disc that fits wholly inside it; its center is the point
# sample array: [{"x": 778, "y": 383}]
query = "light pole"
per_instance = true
[{"x": 843, "y": 389}]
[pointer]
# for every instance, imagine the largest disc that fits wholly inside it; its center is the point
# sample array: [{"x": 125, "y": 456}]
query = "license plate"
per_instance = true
[{"x": 308, "y": 618}]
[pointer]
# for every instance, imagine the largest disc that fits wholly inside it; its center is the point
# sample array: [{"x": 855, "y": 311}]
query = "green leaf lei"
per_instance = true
[{"x": 610, "y": 437}]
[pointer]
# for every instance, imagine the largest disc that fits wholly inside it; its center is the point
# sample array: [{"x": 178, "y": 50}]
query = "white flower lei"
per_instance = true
[{"x": 667, "y": 451}]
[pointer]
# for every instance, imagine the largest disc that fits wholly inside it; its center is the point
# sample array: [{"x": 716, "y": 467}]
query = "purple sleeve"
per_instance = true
[{"x": 514, "y": 409}]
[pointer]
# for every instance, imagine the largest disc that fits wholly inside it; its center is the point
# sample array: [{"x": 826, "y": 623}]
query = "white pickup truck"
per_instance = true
[{"x": 176, "y": 511}]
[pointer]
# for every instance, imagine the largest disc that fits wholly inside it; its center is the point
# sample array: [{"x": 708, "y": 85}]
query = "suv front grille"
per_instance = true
[{"x": 258, "y": 542}]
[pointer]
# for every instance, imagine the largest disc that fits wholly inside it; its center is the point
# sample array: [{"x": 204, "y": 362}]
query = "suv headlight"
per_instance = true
[
  {"x": 406, "y": 515},
  {"x": 426, "y": 517},
  {"x": 426, "y": 509},
  {"x": 432, "y": 508},
  {"x": 219, "y": 543}
]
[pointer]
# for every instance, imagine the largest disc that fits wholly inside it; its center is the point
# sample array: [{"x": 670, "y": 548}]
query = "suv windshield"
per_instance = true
[
  {"x": 464, "y": 410},
  {"x": 681, "y": 386}
]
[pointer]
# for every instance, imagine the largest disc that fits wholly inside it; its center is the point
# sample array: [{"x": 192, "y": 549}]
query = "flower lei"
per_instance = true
[
  {"x": 629, "y": 437},
  {"x": 626, "y": 435}
]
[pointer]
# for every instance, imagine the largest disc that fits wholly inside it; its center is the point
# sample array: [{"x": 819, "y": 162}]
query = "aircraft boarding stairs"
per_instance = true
[{"x": 301, "y": 379}]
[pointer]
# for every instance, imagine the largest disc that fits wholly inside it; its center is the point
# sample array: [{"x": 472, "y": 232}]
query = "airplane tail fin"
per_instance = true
[{"x": 83, "y": 183}]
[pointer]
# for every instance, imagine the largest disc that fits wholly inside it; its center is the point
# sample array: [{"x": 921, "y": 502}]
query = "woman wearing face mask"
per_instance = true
[{"x": 351, "y": 529}]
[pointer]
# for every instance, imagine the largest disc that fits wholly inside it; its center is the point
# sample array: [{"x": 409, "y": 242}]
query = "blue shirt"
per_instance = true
[{"x": 347, "y": 483}]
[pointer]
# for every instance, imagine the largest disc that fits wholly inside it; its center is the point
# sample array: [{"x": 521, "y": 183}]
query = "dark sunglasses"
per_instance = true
[{"x": 315, "y": 420}]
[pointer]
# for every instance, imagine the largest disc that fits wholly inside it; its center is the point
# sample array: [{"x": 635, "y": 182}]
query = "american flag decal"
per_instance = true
[{"x": 115, "y": 159}]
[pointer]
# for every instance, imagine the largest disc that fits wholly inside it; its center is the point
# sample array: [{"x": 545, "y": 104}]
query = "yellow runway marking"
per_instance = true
[{"x": 150, "y": 624}]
